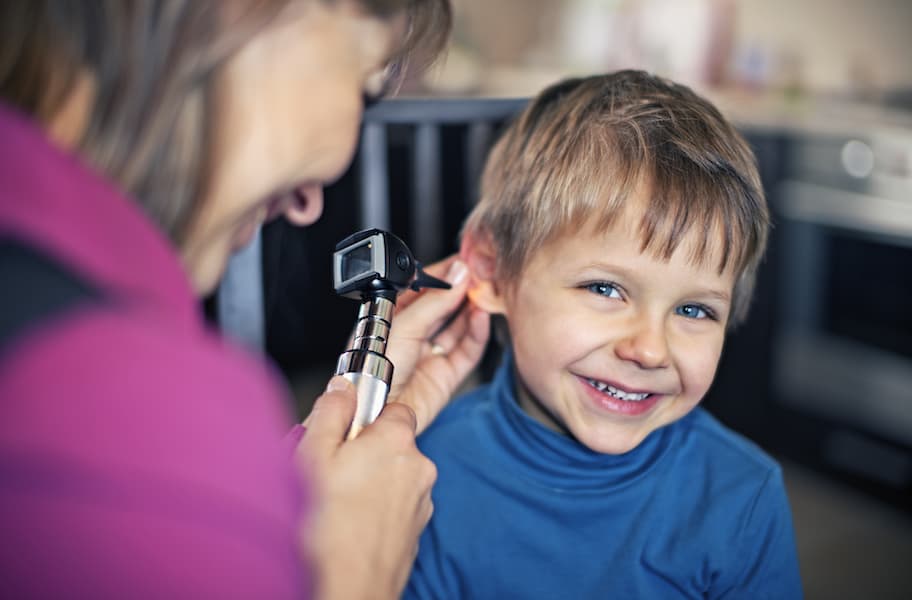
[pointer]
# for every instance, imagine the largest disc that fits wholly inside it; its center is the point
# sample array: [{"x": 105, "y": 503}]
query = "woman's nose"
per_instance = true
[
  {"x": 644, "y": 343},
  {"x": 307, "y": 205}
]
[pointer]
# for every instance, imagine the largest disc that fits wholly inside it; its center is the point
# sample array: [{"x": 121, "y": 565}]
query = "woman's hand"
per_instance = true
[
  {"x": 373, "y": 497},
  {"x": 374, "y": 492},
  {"x": 436, "y": 340}
]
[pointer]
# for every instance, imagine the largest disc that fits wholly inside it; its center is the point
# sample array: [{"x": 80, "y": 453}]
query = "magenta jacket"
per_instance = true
[{"x": 140, "y": 454}]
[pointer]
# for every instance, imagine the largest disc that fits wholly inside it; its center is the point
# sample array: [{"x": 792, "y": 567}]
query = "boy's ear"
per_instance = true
[{"x": 479, "y": 253}]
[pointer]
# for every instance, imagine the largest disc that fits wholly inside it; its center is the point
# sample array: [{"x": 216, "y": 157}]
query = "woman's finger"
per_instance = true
[
  {"x": 329, "y": 420},
  {"x": 444, "y": 340},
  {"x": 439, "y": 270},
  {"x": 394, "y": 420},
  {"x": 436, "y": 378},
  {"x": 451, "y": 368},
  {"x": 430, "y": 309}
]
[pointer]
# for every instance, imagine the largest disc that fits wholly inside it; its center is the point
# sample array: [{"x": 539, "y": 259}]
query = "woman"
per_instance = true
[{"x": 141, "y": 142}]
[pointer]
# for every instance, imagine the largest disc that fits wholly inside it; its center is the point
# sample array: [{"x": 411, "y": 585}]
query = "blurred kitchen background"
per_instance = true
[{"x": 821, "y": 375}]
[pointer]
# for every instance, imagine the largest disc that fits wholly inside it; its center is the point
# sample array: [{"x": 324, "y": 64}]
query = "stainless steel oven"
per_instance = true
[{"x": 842, "y": 334}]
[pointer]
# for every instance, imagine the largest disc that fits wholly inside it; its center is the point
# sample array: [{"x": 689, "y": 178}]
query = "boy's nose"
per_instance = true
[{"x": 645, "y": 344}]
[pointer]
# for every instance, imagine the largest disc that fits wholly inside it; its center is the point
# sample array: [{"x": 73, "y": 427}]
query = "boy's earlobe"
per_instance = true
[{"x": 479, "y": 253}]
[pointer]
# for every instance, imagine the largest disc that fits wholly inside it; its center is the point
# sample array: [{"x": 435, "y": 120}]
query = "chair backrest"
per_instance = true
[{"x": 478, "y": 120}]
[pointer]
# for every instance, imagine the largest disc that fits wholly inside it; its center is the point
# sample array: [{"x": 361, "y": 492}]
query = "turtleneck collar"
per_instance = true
[{"x": 555, "y": 460}]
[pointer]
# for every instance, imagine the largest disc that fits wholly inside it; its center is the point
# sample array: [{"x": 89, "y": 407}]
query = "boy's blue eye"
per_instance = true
[
  {"x": 603, "y": 288},
  {"x": 694, "y": 311}
]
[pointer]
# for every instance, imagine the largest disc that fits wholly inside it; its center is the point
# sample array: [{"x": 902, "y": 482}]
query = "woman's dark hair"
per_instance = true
[{"x": 154, "y": 64}]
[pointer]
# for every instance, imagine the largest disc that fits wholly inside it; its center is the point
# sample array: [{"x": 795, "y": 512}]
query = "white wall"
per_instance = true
[
  {"x": 840, "y": 46},
  {"x": 833, "y": 37}
]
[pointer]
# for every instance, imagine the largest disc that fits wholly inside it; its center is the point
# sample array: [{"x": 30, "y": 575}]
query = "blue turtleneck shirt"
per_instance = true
[{"x": 520, "y": 511}]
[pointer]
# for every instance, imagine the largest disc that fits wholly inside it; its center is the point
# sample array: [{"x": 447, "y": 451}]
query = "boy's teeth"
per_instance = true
[{"x": 613, "y": 391}]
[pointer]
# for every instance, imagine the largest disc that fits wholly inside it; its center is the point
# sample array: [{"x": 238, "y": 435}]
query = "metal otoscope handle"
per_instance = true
[
  {"x": 373, "y": 266},
  {"x": 365, "y": 363}
]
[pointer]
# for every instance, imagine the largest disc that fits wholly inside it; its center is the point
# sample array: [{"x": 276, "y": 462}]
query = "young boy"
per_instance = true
[{"x": 619, "y": 231}]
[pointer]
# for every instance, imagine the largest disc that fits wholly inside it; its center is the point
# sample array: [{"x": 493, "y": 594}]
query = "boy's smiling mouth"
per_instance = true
[
  {"x": 616, "y": 392},
  {"x": 609, "y": 398}
]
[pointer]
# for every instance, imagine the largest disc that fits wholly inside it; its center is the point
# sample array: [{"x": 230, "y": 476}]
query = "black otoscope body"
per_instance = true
[{"x": 373, "y": 266}]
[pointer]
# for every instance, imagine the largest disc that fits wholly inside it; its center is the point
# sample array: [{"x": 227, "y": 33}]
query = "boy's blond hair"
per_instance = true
[{"x": 584, "y": 147}]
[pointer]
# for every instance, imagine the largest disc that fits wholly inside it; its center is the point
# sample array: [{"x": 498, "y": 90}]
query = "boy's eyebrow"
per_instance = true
[{"x": 719, "y": 295}]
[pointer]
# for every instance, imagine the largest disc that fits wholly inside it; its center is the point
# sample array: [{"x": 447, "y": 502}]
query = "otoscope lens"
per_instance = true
[{"x": 356, "y": 262}]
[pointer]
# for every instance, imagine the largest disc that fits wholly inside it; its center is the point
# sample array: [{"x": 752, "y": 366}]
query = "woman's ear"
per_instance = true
[
  {"x": 479, "y": 253},
  {"x": 307, "y": 205}
]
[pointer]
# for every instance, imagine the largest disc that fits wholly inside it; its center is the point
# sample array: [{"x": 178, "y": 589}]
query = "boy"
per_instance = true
[{"x": 619, "y": 231}]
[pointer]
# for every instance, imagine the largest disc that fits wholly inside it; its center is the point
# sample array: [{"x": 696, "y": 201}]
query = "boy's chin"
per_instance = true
[{"x": 610, "y": 442}]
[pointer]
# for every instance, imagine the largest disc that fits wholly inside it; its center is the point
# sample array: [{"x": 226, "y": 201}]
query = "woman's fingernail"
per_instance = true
[
  {"x": 458, "y": 271},
  {"x": 338, "y": 384}
]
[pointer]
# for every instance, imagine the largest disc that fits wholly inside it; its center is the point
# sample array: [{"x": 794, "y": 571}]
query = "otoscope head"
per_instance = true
[{"x": 375, "y": 263}]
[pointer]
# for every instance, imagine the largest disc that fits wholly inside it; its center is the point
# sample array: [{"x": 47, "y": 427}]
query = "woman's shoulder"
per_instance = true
[
  {"x": 119, "y": 424},
  {"x": 98, "y": 350},
  {"x": 113, "y": 389}
]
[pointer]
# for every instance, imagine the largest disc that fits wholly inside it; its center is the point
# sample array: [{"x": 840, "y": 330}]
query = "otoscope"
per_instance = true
[{"x": 373, "y": 266}]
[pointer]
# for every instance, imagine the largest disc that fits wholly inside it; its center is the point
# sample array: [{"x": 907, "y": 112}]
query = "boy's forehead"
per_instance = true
[{"x": 699, "y": 249}]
